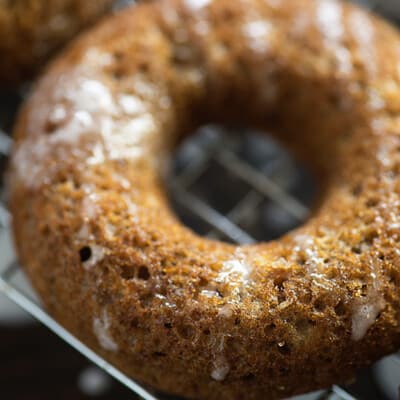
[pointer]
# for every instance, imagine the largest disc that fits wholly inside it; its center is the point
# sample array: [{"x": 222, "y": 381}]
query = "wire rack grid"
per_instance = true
[{"x": 268, "y": 194}]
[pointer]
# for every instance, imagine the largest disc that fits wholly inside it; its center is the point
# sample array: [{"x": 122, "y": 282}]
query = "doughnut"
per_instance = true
[
  {"x": 182, "y": 313},
  {"x": 33, "y": 29}
]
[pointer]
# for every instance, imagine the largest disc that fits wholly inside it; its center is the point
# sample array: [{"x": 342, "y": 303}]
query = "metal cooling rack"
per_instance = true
[
  {"x": 270, "y": 186},
  {"x": 267, "y": 196}
]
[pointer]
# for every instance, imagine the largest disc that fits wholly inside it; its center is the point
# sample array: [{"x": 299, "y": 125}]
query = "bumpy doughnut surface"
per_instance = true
[
  {"x": 192, "y": 316},
  {"x": 30, "y": 30}
]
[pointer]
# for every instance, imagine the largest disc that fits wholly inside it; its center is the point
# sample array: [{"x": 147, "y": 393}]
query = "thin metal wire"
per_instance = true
[
  {"x": 223, "y": 224},
  {"x": 210, "y": 215},
  {"x": 249, "y": 202},
  {"x": 5, "y": 143},
  {"x": 262, "y": 183},
  {"x": 193, "y": 170},
  {"x": 343, "y": 394},
  {"x": 4, "y": 217},
  {"x": 262, "y": 186},
  {"x": 9, "y": 271},
  {"x": 35, "y": 310}
]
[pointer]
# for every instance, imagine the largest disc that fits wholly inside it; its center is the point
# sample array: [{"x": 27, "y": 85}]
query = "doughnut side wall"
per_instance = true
[{"x": 187, "y": 315}]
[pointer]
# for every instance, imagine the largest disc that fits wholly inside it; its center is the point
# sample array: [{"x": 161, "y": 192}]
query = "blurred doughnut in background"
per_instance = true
[{"x": 31, "y": 30}]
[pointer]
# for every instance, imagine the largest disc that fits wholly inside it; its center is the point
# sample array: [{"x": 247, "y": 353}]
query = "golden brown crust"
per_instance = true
[
  {"x": 31, "y": 30},
  {"x": 187, "y": 315}
]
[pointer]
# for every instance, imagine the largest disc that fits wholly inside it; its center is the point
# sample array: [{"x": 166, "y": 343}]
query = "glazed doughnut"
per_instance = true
[
  {"x": 33, "y": 29},
  {"x": 192, "y": 316}
]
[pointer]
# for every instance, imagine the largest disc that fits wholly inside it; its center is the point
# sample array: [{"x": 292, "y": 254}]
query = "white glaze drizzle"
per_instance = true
[
  {"x": 126, "y": 138},
  {"x": 235, "y": 274},
  {"x": 225, "y": 311},
  {"x": 117, "y": 127},
  {"x": 196, "y": 5},
  {"x": 329, "y": 19},
  {"x": 258, "y": 33},
  {"x": 221, "y": 369},
  {"x": 366, "y": 310},
  {"x": 90, "y": 208},
  {"x": 131, "y": 105},
  {"x": 97, "y": 254},
  {"x": 314, "y": 263},
  {"x": 165, "y": 301},
  {"x": 58, "y": 115},
  {"x": 92, "y": 96},
  {"x": 375, "y": 101},
  {"x": 131, "y": 207},
  {"x": 221, "y": 366},
  {"x": 97, "y": 57},
  {"x": 92, "y": 112},
  {"x": 101, "y": 328},
  {"x": 98, "y": 155},
  {"x": 234, "y": 269},
  {"x": 209, "y": 293},
  {"x": 363, "y": 318},
  {"x": 364, "y": 34},
  {"x": 330, "y": 23}
]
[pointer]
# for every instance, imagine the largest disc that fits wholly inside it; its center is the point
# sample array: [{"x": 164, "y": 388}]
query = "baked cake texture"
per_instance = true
[
  {"x": 184, "y": 314},
  {"x": 31, "y": 30}
]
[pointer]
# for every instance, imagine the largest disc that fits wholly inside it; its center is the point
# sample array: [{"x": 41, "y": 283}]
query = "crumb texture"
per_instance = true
[{"x": 191, "y": 316}]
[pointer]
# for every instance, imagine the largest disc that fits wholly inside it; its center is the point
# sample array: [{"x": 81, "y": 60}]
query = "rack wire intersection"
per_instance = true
[{"x": 268, "y": 189}]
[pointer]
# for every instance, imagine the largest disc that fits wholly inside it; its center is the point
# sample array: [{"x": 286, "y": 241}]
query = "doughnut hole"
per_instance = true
[
  {"x": 304, "y": 113},
  {"x": 200, "y": 166}
]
